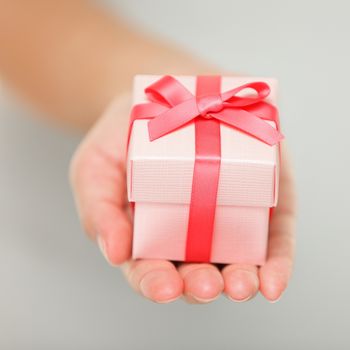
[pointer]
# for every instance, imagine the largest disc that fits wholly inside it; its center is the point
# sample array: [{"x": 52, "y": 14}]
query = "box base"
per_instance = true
[{"x": 240, "y": 233}]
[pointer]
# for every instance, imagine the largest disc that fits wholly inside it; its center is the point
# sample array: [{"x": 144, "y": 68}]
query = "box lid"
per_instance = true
[{"x": 162, "y": 170}]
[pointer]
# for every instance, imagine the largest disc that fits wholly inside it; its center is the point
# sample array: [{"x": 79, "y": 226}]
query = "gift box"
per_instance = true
[{"x": 203, "y": 167}]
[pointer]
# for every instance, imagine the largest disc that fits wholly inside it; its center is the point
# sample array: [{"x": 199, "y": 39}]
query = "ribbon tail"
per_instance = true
[
  {"x": 250, "y": 124},
  {"x": 144, "y": 111},
  {"x": 265, "y": 111}
]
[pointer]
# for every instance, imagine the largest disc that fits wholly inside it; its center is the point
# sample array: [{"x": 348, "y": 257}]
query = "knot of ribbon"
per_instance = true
[
  {"x": 209, "y": 104},
  {"x": 171, "y": 105}
]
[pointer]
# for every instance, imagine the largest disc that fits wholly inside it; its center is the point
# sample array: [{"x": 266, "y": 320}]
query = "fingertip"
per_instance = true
[
  {"x": 118, "y": 249},
  {"x": 274, "y": 277},
  {"x": 240, "y": 285},
  {"x": 161, "y": 286},
  {"x": 114, "y": 239},
  {"x": 202, "y": 284},
  {"x": 272, "y": 289},
  {"x": 111, "y": 250}
]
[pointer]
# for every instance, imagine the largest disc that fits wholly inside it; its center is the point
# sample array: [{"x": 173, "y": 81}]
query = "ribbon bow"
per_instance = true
[{"x": 172, "y": 106}]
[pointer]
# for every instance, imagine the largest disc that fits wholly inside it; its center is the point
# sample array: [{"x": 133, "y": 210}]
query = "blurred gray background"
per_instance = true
[{"x": 57, "y": 292}]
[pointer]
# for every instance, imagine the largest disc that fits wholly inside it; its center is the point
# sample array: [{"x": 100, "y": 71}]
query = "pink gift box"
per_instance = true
[{"x": 159, "y": 182}]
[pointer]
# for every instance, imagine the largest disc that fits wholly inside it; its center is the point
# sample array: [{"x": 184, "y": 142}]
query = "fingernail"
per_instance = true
[
  {"x": 203, "y": 300},
  {"x": 240, "y": 300},
  {"x": 102, "y": 245},
  {"x": 166, "y": 301},
  {"x": 275, "y": 300}
]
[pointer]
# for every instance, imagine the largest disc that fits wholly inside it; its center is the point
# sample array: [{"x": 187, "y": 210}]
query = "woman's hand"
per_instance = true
[{"x": 98, "y": 180}]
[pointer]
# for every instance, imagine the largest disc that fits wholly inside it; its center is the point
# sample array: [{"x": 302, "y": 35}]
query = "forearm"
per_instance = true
[{"x": 69, "y": 58}]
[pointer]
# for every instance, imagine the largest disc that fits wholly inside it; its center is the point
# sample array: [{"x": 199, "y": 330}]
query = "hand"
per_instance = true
[{"x": 98, "y": 180}]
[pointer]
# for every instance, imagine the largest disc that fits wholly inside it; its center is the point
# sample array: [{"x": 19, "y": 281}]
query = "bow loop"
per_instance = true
[
  {"x": 168, "y": 91},
  {"x": 261, "y": 89}
]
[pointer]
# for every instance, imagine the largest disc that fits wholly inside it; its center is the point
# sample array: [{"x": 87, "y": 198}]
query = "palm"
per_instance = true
[{"x": 98, "y": 179}]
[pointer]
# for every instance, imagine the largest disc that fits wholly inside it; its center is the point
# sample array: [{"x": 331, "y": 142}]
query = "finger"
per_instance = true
[
  {"x": 241, "y": 282},
  {"x": 97, "y": 176},
  {"x": 276, "y": 272},
  {"x": 114, "y": 233},
  {"x": 203, "y": 283},
  {"x": 98, "y": 183},
  {"x": 157, "y": 280}
]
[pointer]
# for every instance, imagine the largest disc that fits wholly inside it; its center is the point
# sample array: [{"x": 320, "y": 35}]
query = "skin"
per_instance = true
[
  {"x": 78, "y": 59},
  {"x": 98, "y": 179}
]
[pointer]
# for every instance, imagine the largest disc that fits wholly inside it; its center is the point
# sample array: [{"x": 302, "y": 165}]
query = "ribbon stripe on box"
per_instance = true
[
  {"x": 206, "y": 172},
  {"x": 172, "y": 106}
]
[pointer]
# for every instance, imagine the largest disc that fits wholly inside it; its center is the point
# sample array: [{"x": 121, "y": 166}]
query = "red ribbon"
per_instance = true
[
  {"x": 206, "y": 174},
  {"x": 172, "y": 106}
]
